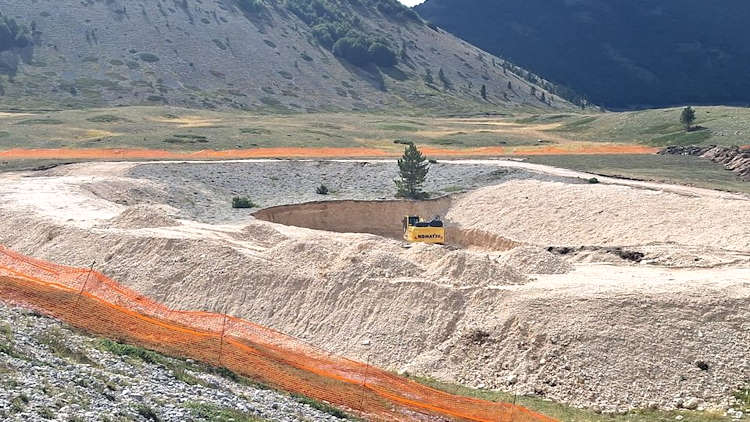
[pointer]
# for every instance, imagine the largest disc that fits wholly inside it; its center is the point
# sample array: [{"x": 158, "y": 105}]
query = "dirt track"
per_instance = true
[{"x": 610, "y": 333}]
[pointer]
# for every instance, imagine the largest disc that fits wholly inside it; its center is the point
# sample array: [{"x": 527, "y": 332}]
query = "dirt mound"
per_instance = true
[
  {"x": 143, "y": 217},
  {"x": 124, "y": 191},
  {"x": 552, "y": 213},
  {"x": 534, "y": 260},
  {"x": 260, "y": 232},
  {"x": 366, "y": 260},
  {"x": 462, "y": 268}
]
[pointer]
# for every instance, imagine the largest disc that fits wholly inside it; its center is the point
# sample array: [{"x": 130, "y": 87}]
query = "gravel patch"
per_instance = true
[{"x": 204, "y": 191}]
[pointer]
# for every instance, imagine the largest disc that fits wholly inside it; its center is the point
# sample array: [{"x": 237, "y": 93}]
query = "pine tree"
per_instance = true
[
  {"x": 413, "y": 168},
  {"x": 428, "y": 79},
  {"x": 687, "y": 117},
  {"x": 444, "y": 79},
  {"x": 510, "y": 86},
  {"x": 533, "y": 91},
  {"x": 483, "y": 91}
]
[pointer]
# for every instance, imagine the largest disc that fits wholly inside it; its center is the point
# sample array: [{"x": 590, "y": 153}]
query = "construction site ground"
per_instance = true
[{"x": 643, "y": 302}]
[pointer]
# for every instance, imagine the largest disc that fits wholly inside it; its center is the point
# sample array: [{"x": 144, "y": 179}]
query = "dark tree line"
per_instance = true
[
  {"x": 338, "y": 28},
  {"x": 13, "y": 35}
]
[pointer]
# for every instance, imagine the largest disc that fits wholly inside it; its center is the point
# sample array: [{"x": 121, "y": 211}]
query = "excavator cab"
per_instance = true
[{"x": 417, "y": 230}]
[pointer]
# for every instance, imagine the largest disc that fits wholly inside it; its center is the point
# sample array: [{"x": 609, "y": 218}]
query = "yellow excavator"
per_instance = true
[{"x": 417, "y": 230}]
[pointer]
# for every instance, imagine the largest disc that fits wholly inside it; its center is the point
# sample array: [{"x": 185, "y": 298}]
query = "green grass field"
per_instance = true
[
  {"x": 180, "y": 129},
  {"x": 175, "y": 128},
  {"x": 188, "y": 129},
  {"x": 571, "y": 414},
  {"x": 683, "y": 170},
  {"x": 660, "y": 127}
]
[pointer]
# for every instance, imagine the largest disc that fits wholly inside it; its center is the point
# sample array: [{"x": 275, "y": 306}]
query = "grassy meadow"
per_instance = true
[
  {"x": 566, "y": 413},
  {"x": 554, "y": 139}
]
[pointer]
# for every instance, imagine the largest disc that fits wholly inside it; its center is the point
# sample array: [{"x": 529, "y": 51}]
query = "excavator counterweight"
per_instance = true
[{"x": 416, "y": 230}]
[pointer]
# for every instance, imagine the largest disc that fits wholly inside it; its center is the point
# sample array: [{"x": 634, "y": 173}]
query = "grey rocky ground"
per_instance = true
[
  {"x": 49, "y": 372},
  {"x": 202, "y": 191}
]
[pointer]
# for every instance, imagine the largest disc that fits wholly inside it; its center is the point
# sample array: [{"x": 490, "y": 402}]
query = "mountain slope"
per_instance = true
[
  {"x": 270, "y": 54},
  {"x": 618, "y": 53}
]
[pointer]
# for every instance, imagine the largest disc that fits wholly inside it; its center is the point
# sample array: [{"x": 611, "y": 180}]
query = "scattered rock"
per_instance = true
[{"x": 702, "y": 365}]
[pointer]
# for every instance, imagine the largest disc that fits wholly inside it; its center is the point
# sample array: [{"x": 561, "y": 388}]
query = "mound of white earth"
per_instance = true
[
  {"x": 563, "y": 214},
  {"x": 142, "y": 217},
  {"x": 534, "y": 260}
]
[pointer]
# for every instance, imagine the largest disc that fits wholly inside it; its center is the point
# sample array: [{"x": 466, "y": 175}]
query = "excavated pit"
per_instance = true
[{"x": 382, "y": 218}]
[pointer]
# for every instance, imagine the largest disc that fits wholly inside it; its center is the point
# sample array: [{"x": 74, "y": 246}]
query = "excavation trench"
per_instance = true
[{"x": 382, "y": 218}]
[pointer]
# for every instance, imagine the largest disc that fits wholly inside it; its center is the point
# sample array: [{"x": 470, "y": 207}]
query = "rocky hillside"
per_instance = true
[
  {"x": 617, "y": 53},
  {"x": 48, "y": 371},
  {"x": 280, "y": 55}
]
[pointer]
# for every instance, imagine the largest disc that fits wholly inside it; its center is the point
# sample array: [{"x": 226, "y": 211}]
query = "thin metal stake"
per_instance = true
[
  {"x": 85, "y": 282},
  {"x": 364, "y": 382},
  {"x": 221, "y": 344}
]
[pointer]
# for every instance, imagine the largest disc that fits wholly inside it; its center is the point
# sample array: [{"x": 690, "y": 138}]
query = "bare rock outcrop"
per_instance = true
[{"x": 734, "y": 158}]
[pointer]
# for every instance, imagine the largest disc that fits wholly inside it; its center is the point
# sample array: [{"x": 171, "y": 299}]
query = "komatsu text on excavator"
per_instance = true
[{"x": 417, "y": 230}]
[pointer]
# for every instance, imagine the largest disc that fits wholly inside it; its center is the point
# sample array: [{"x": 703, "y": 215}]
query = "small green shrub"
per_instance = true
[
  {"x": 18, "y": 404},
  {"x": 56, "y": 340},
  {"x": 322, "y": 190},
  {"x": 743, "y": 396},
  {"x": 322, "y": 406},
  {"x": 47, "y": 413},
  {"x": 399, "y": 127},
  {"x": 212, "y": 413},
  {"x": 181, "y": 374},
  {"x": 270, "y": 101},
  {"x": 148, "y": 57},
  {"x": 187, "y": 139},
  {"x": 6, "y": 341},
  {"x": 148, "y": 413},
  {"x": 106, "y": 118},
  {"x": 593, "y": 180},
  {"x": 361, "y": 50},
  {"x": 254, "y": 131},
  {"x": 121, "y": 349},
  {"x": 402, "y": 142},
  {"x": 251, "y": 6},
  {"x": 40, "y": 122},
  {"x": 398, "y": 11},
  {"x": 242, "y": 202}
]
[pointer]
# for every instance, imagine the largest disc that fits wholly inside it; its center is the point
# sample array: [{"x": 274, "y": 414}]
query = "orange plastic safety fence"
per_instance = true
[{"x": 93, "y": 302}]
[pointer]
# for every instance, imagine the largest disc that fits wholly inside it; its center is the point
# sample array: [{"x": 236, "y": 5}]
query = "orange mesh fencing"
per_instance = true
[{"x": 93, "y": 302}]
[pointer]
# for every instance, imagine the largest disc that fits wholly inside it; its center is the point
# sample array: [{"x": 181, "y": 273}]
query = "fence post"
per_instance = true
[
  {"x": 85, "y": 282},
  {"x": 221, "y": 339},
  {"x": 364, "y": 380}
]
